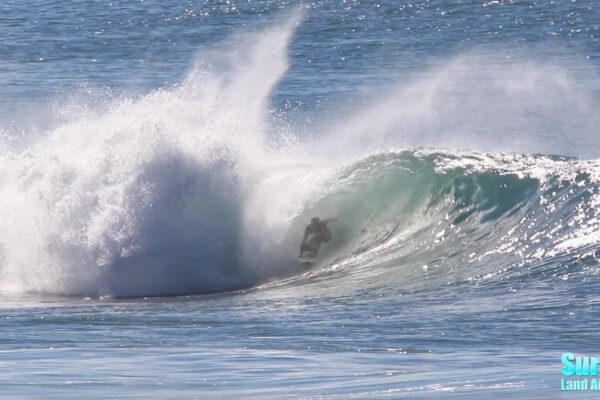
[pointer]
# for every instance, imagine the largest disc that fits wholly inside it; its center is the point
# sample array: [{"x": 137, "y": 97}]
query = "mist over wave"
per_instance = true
[
  {"x": 481, "y": 101},
  {"x": 188, "y": 190},
  {"x": 147, "y": 197}
]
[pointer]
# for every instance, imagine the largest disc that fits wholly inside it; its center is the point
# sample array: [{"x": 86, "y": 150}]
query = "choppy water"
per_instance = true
[{"x": 160, "y": 162}]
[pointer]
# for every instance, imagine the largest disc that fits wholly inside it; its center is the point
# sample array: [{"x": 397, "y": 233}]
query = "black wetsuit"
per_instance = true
[{"x": 314, "y": 236}]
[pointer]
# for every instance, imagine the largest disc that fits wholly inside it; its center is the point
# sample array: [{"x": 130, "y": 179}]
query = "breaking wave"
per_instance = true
[{"x": 188, "y": 190}]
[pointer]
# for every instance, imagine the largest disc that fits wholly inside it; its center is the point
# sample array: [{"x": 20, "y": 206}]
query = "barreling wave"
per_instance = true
[
  {"x": 188, "y": 190},
  {"x": 462, "y": 217}
]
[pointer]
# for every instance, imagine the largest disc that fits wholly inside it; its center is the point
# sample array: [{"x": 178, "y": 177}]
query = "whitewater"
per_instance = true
[{"x": 149, "y": 236}]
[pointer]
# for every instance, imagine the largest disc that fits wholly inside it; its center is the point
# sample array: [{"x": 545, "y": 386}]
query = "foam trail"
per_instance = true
[{"x": 147, "y": 197}]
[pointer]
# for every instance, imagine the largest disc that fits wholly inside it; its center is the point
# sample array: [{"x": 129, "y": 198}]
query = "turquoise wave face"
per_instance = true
[{"x": 466, "y": 216}]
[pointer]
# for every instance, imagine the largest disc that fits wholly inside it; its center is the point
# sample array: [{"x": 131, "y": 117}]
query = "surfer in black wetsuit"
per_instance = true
[{"x": 315, "y": 234}]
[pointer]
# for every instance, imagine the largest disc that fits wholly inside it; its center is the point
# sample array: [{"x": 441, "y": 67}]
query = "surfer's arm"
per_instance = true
[{"x": 328, "y": 220}]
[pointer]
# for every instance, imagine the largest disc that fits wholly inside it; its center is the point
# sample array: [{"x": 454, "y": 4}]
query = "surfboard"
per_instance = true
[{"x": 307, "y": 257}]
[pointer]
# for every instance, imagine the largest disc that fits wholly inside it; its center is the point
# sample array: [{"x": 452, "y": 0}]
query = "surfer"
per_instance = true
[{"x": 315, "y": 234}]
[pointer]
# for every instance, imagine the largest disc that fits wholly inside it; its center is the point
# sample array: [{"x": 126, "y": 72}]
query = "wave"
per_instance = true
[
  {"x": 188, "y": 189},
  {"x": 143, "y": 196},
  {"x": 463, "y": 216}
]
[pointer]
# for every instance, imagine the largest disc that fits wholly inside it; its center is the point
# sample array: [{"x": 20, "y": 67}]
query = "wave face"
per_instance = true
[
  {"x": 194, "y": 189},
  {"x": 426, "y": 217}
]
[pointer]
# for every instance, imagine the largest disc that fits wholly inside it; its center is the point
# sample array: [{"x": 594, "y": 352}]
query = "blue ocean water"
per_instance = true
[{"x": 160, "y": 161}]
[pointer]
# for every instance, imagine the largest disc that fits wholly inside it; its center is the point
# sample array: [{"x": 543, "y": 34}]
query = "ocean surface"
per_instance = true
[{"x": 159, "y": 162}]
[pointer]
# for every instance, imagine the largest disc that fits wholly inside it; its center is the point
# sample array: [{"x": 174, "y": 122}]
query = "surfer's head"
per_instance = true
[{"x": 314, "y": 221}]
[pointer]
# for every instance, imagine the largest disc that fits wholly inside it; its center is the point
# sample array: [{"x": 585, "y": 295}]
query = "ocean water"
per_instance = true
[{"x": 160, "y": 160}]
